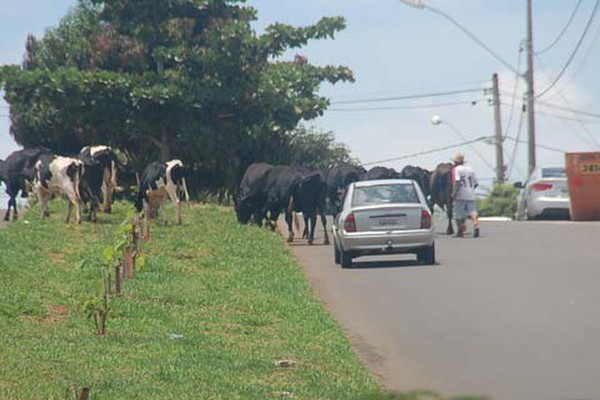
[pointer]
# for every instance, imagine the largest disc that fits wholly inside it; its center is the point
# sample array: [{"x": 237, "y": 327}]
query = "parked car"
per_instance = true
[
  {"x": 544, "y": 195},
  {"x": 388, "y": 216}
]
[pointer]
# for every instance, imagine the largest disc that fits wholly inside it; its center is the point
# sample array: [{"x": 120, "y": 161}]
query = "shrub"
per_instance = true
[{"x": 501, "y": 201}]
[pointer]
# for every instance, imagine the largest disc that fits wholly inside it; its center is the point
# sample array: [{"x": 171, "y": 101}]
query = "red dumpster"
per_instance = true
[{"x": 583, "y": 175}]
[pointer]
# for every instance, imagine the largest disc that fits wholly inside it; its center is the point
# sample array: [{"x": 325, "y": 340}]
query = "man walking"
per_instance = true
[{"x": 464, "y": 183}]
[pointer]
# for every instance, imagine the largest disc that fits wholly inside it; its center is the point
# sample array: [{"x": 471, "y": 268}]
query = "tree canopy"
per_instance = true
[{"x": 171, "y": 78}]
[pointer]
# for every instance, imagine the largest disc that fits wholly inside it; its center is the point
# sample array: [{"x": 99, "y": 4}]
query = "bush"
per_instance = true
[{"x": 500, "y": 202}]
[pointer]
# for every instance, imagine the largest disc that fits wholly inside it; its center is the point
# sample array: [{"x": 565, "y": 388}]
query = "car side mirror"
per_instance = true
[{"x": 518, "y": 185}]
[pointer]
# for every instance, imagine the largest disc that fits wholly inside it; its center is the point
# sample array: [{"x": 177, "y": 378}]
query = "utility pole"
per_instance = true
[
  {"x": 498, "y": 131},
  {"x": 530, "y": 92}
]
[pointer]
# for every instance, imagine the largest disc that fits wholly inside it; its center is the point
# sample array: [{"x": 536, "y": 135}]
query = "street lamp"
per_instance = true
[
  {"x": 437, "y": 120},
  {"x": 528, "y": 75}
]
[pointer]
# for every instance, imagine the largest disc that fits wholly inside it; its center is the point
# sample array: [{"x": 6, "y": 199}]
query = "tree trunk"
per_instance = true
[{"x": 165, "y": 145}]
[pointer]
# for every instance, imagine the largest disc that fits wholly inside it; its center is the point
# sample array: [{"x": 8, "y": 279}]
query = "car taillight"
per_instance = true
[
  {"x": 425, "y": 219},
  {"x": 540, "y": 187},
  {"x": 350, "y": 223}
]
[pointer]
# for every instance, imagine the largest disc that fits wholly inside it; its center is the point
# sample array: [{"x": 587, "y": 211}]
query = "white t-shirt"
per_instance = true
[{"x": 468, "y": 182}]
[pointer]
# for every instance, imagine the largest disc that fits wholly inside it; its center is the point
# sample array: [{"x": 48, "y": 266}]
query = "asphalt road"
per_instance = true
[{"x": 514, "y": 314}]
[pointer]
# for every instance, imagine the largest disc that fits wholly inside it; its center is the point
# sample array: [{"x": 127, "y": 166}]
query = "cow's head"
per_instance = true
[{"x": 243, "y": 211}]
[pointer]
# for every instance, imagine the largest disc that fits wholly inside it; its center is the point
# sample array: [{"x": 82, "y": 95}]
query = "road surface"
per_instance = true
[{"x": 514, "y": 314}]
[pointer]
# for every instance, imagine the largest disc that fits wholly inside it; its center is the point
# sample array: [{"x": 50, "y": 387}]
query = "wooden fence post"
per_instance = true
[{"x": 129, "y": 262}]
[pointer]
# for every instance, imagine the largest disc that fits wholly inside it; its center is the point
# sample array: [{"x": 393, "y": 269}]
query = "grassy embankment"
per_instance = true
[{"x": 210, "y": 315}]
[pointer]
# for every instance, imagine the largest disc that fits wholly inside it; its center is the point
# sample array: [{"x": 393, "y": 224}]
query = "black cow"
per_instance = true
[
  {"x": 419, "y": 175},
  {"x": 440, "y": 185},
  {"x": 268, "y": 190},
  {"x": 309, "y": 198},
  {"x": 107, "y": 159},
  {"x": 91, "y": 184},
  {"x": 252, "y": 195},
  {"x": 380, "y": 173},
  {"x": 338, "y": 178},
  {"x": 159, "y": 181},
  {"x": 14, "y": 170}
]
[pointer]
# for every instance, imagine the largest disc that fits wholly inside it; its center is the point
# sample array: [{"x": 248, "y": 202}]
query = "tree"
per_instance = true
[{"x": 170, "y": 78}]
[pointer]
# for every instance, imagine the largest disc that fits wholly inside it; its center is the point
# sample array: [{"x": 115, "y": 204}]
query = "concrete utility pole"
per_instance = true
[
  {"x": 498, "y": 131},
  {"x": 530, "y": 92}
]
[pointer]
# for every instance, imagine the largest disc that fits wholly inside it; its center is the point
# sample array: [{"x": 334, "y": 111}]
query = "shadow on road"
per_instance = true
[{"x": 387, "y": 264}]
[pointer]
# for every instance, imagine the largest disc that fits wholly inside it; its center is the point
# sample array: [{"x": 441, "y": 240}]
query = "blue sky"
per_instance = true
[{"x": 396, "y": 51}]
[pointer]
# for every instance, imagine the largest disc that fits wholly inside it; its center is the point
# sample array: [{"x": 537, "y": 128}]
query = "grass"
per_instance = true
[{"x": 215, "y": 309}]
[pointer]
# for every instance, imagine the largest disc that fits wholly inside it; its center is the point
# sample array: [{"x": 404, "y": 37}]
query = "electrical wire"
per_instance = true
[
  {"x": 422, "y": 153},
  {"x": 570, "y": 109},
  {"x": 572, "y": 56},
  {"x": 513, "y": 157},
  {"x": 448, "y": 104},
  {"x": 541, "y": 146},
  {"x": 514, "y": 93},
  {"x": 593, "y": 140},
  {"x": 562, "y": 32},
  {"x": 408, "y": 97}
]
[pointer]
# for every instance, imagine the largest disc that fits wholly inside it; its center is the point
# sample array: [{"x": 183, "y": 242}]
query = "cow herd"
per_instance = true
[
  {"x": 86, "y": 179},
  {"x": 267, "y": 190}
]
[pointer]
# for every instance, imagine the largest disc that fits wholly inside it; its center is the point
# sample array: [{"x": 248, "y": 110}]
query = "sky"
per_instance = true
[{"x": 405, "y": 58}]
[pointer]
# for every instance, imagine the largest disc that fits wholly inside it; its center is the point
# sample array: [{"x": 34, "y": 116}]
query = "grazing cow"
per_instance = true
[
  {"x": 380, "y": 173},
  {"x": 419, "y": 175},
  {"x": 58, "y": 175},
  {"x": 159, "y": 181},
  {"x": 338, "y": 178},
  {"x": 440, "y": 186},
  {"x": 251, "y": 196},
  {"x": 13, "y": 172},
  {"x": 107, "y": 159}
]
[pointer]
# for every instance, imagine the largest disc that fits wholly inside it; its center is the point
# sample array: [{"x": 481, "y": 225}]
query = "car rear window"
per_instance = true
[
  {"x": 554, "y": 173},
  {"x": 382, "y": 194}
]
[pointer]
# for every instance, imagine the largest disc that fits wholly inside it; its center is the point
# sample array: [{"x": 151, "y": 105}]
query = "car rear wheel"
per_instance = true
[
  {"x": 336, "y": 254},
  {"x": 346, "y": 259},
  {"x": 427, "y": 255}
]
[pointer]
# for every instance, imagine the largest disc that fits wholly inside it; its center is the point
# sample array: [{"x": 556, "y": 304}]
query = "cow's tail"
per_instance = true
[
  {"x": 139, "y": 201},
  {"x": 185, "y": 190}
]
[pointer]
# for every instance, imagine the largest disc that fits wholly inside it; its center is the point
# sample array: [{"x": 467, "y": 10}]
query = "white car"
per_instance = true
[
  {"x": 544, "y": 195},
  {"x": 388, "y": 216}
]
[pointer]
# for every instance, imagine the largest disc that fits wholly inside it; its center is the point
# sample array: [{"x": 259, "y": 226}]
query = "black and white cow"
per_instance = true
[
  {"x": 107, "y": 158},
  {"x": 419, "y": 175},
  {"x": 55, "y": 175},
  {"x": 159, "y": 182},
  {"x": 13, "y": 172}
]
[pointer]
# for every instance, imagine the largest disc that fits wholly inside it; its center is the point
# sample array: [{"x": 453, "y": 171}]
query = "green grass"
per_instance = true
[{"x": 234, "y": 292}]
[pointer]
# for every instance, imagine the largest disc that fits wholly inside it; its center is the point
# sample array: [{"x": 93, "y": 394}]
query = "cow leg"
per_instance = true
[
  {"x": 7, "y": 215},
  {"x": 289, "y": 221},
  {"x": 306, "y": 222},
  {"x": 324, "y": 223},
  {"x": 449, "y": 214},
  {"x": 313, "y": 223},
  {"x": 163, "y": 210}
]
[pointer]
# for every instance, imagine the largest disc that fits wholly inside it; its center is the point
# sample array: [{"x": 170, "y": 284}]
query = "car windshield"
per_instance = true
[
  {"x": 554, "y": 173},
  {"x": 382, "y": 194}
]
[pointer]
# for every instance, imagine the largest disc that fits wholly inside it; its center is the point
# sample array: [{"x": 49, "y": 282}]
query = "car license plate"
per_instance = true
[{"x": 385, "y": 222}]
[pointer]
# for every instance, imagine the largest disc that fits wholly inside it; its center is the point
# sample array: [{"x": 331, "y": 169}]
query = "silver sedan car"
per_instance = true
[
  {"x": 545, "y": 194},
  {"x": 383, "y": 217}
]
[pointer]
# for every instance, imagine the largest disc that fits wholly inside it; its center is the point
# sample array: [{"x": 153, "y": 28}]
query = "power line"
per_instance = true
[
  {"x": 541, "y": 146},
  {"x": 570, "y": 109},
  {"x": 564, "y": 117},
  {"x": 562, "y": 32},
  {"x": 594, "y": 142},
  {"x": 448, "y": 104},
  {"x": 408, "y": 97},
  {"x": 422, "y": 153},
  {"x": 514, "y": 93},
  {"x": 572, "y": 56},
  {"x": 515, "y": 147}
]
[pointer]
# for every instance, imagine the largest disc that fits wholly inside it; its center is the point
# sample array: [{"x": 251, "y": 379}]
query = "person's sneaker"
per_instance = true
[{"x": 476, "y": 232}]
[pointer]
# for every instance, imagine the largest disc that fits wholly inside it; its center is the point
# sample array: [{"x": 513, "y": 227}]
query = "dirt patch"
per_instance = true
[{"x": 55, "y": 314}]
